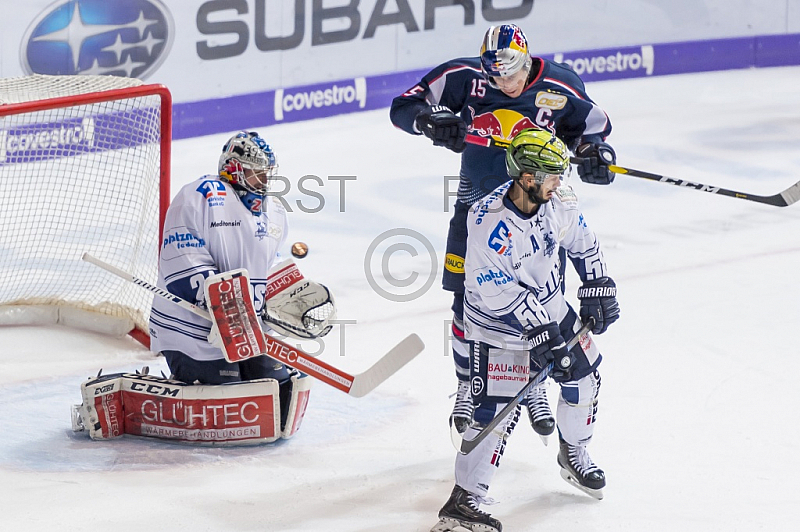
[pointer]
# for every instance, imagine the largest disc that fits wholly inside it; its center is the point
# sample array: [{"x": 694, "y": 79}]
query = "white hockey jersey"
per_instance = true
[
  {"x": 209, "y": 230},
  {"x": 512, "y": 265}
]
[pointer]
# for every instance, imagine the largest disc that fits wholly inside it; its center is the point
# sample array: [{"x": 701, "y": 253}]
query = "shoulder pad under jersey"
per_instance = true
[{"x": 564, "y": 73}]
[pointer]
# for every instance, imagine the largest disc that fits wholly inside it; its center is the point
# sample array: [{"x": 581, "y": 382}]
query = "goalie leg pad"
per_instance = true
[
  {"x": 141, "y": 405},
  {"x": 298, "y": 401},
  {"x": 101, "y": 413}
]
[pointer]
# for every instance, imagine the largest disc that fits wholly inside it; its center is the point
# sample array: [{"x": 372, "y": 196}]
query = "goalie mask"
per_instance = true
[{"x": 248, "y": 163}]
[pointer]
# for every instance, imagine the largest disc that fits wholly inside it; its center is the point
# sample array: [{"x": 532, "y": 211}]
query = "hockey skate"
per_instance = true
[
  {"x": 462, "y": 510},
  {"x": 578, "y": 469},
  {"x": 461, "y": 417},
  {"x": 542, "y": 420}
]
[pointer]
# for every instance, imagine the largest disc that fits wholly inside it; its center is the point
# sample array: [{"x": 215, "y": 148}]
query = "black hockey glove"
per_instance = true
[
  {"x": 599, "y": 301},
  {"x": 444, "y": 128},
  {"x": 547, "y": 345},
  {"x": 597, "y": 156}
]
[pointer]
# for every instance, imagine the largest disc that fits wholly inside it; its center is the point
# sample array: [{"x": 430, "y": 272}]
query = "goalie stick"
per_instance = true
[
  {"x": 465, "y": 446},
  {"x": 355, "y": 385},
  {"x": 782, "y": 199}
]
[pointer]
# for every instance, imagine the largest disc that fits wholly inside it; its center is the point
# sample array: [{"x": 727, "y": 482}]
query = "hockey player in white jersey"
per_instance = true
[
  {"x": 222, "y": 234},
  {"x": 219, "y": 223},
  {"x": 516, "y": 315}
]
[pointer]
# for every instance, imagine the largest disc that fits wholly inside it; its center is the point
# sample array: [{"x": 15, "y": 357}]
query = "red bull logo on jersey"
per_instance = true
[{"x": 500, "y": 124}]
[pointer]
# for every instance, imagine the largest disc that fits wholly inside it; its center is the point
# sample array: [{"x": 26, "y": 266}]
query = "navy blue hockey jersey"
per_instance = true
[{"x": 554, "y": 99}]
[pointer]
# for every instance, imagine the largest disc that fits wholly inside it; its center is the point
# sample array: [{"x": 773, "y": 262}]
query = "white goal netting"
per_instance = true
[{"x": 83, "y": 176}]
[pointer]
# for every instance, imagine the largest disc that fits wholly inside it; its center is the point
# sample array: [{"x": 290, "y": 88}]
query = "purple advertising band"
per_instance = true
[{"x": 292, "y": 104}]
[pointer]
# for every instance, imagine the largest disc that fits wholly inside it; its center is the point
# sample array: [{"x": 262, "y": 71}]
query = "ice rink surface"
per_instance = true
[{"x": 696, "y": 427}]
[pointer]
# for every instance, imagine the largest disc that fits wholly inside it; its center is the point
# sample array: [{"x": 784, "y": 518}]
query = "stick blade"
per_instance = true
[
  {"x": 791, "y": 195},
  {"x": 388, "y": 365}
]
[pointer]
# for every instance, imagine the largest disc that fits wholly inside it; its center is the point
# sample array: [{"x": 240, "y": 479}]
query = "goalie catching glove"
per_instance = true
[{"x": 297, "y": 307}]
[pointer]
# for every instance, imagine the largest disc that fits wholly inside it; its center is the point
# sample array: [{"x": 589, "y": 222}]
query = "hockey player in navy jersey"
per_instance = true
[
  {"x": 492, "y": 98},
  {"x": 516, "y": 315}
]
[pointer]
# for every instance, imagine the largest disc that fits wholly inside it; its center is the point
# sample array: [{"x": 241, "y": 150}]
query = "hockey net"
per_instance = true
[{"x": 84, "y": 167}]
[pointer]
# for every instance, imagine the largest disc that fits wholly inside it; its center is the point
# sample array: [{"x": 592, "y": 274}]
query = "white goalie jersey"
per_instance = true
[
  {"x": 513, "y": 265},
  {"x": 209, "y": 230}
]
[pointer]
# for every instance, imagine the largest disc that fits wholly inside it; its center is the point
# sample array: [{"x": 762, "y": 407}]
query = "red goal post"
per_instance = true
[{"x": 84, "y": 167}]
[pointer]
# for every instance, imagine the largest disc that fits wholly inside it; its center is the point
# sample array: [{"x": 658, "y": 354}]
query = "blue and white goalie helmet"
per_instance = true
[
  {"x": 249, "y": 162},
  {"x": 504, "y": 52}
]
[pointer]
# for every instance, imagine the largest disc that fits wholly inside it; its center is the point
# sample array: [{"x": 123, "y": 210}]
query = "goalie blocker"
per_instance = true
[
  {"x": 295, "y": 307},
  {"x": 235, "y": 328},
  {"x": 242, "y": 413}
]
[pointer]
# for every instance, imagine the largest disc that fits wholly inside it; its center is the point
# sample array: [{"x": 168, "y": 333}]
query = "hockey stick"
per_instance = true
[
  {"x": 355, "y": 385},
  {"x": 782, "y": 199},
  {"x": 487, "y": 142},
  {"x": 468, "y": 445}
]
